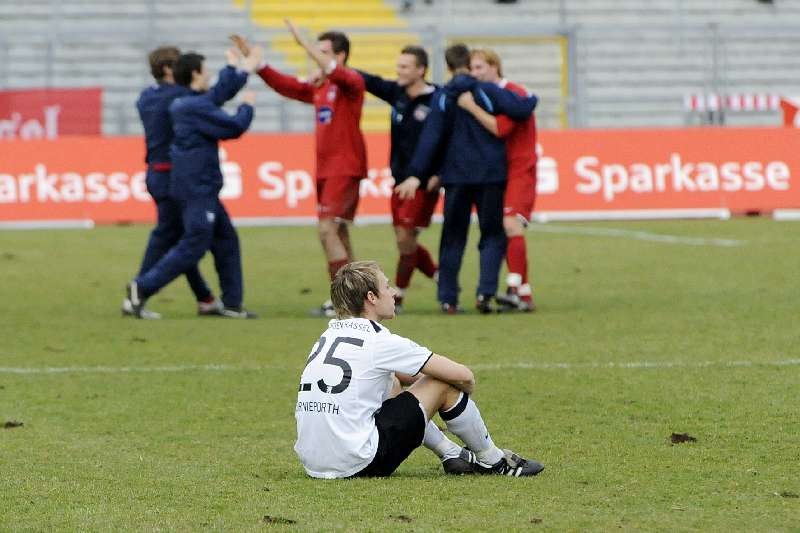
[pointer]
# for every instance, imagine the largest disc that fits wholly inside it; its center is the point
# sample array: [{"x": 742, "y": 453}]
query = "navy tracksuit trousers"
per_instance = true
[
  {"x": 167, "y": 233},
  {"x": 458, "y": 202},
  {"x": 206, "y": 226}
]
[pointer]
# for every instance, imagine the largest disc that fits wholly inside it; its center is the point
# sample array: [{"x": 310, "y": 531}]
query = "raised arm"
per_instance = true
[
  {"x": 386, "y": 90},
  {"x": 456, "y": 374},
  {"x": 233, "y": 77},
  {"x": 345, "y": 78},
  {"x": 286, "y": 85}
]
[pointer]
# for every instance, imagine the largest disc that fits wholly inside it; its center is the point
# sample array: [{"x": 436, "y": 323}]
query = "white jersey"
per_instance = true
[{"x": 347, "y": 377}]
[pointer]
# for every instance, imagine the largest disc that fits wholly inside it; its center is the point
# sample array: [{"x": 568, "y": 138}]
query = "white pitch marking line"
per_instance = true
[
  {"x": 126, "y": 369},
  {"x": 500, "y": 366},
  {"x": 633, "y": 365},
  {"x": 639, "y": 235}
]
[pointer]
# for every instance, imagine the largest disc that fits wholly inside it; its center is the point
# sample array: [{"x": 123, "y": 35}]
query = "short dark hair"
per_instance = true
[
  {"x": 419, "y": 54},
  {"x": 339, "y": 42},
  {"x": 185, "y": 65},
  {"x": 163, "y": 56},
  {"x": 457, "y": 56}
]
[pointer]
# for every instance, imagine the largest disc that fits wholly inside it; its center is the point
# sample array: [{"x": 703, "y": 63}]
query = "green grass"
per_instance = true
[{"x": 635, "y": 340}]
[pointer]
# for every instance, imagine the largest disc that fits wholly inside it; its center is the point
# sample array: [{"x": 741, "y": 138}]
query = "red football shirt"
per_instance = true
[
  {"x": 520, "y": 140},
  {"x": 338, "y": 101}
]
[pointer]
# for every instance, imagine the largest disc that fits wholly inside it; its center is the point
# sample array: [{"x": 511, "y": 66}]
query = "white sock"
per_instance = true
[
  {"x": 464, "y": 419},
  {"x": 438, "y": 443}
]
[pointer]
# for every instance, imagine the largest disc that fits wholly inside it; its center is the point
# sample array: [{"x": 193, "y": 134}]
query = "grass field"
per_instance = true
[{"x": 187, "y": 423}]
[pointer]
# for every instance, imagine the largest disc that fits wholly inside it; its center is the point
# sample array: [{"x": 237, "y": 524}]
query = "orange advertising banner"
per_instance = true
[{"x": 270, "y": 178}]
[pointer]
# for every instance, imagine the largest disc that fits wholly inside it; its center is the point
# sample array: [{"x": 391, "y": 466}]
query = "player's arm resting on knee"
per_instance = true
[
  {"x": 447, "y": 370},
  {"x": 406, "y": 379}
]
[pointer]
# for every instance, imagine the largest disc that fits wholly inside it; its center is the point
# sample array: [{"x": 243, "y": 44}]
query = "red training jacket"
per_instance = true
[{"x": 341, "y": 151}]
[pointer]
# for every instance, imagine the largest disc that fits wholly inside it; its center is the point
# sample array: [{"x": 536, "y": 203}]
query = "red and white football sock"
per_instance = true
[{"x": 517, "y": 259}]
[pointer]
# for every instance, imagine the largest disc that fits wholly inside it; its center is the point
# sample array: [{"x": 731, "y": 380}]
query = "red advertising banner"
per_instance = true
[
  {"x": 48, "y": 113},
  {"x": 270, "y": 178}
]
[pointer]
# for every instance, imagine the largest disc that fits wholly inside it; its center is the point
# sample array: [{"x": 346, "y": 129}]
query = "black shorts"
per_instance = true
[{"x": 401, "y": 428}]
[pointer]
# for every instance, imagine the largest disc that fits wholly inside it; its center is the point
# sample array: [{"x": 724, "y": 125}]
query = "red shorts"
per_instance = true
[
  {"x": 337, "y": 197},
  {"x": 414, "y": 213},
  {"x": 520, "y": 195}
]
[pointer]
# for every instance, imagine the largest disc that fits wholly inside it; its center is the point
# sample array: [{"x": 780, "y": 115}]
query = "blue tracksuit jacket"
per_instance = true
[
  {"x": 153, "y": 106},
  {"x": 199, "y": 125},
  {"x": 408, "y": 118},
  {"x": 472, "y": 154}
]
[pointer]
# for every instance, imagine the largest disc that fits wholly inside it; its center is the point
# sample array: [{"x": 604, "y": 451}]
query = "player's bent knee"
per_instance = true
[{"x": 432, "y": 393}]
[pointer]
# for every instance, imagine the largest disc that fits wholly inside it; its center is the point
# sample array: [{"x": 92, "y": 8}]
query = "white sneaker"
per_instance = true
[
  {"x": 325, "y": 310},
  {"x": 213, "y": 308},
  {"x": 146, "y": 314}
]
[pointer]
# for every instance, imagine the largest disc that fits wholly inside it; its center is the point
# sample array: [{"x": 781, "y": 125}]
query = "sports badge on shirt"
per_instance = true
[
  {"x": 421, "y": 112},
  {"x": 324, "y": 114},
  {"x": 397, "y": 116}
]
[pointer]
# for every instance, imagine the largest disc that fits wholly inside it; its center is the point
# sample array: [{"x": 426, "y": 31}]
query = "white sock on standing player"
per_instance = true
[
  {"x": 438, "y": 443},
  {"x": 464, "y": 420}
]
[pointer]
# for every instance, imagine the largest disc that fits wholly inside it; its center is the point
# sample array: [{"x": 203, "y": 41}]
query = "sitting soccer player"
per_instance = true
[{"x": 353, "y": 417}]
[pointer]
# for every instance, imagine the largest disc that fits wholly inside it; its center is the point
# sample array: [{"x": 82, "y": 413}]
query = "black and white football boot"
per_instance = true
[
  {"x": 511, "y": 465},
  {"x": 462, "y": 465}
]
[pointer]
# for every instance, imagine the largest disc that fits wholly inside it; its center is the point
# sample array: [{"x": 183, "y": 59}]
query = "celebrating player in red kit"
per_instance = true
[{"x": 337, "y": 94}]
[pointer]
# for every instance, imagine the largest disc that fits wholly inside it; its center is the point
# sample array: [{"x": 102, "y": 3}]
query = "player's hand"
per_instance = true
[
  {"x": 240, "y": 43},
  {"x": 295, "y": 33},
  {"x": 466, "y": 100},
  {"x": 434, "y": 184},
  {"x": 232, "y": 56},
  {"x": 248, "y": 97},
  {"x": 408, "y": 188},
  {"x": 253, "y": 59}
]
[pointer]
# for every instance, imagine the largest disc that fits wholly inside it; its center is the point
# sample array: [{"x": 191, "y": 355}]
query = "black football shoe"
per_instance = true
[
  {"x": 462, "y": 465},
  {"x": 511, "y": 465}
]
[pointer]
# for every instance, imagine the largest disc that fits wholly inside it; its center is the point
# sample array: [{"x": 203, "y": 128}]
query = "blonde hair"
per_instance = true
[
  {"x": 350, "y": 286},
  {"x": 491, "y": 58}
]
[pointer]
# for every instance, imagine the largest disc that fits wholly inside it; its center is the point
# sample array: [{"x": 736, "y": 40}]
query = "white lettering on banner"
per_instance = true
[
  {"x": 546, "y": 172},
  {"x": 14, "y": 127},
  {"x": 231, "y": 177},
  {"x": 293, "y": 185},
  {"x": 613, "y": 179},
  {"x": 42, "y": 186},
  {"x": 297, "y": 185}
]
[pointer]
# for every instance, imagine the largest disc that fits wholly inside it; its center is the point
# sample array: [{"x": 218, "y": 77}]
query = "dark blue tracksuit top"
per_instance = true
[
  {"x": 198, "y": 125},
  {"x": 153, "y": 106},
  {"x": 408, "y": 119},
  {"x": 472, "y": 154}
]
